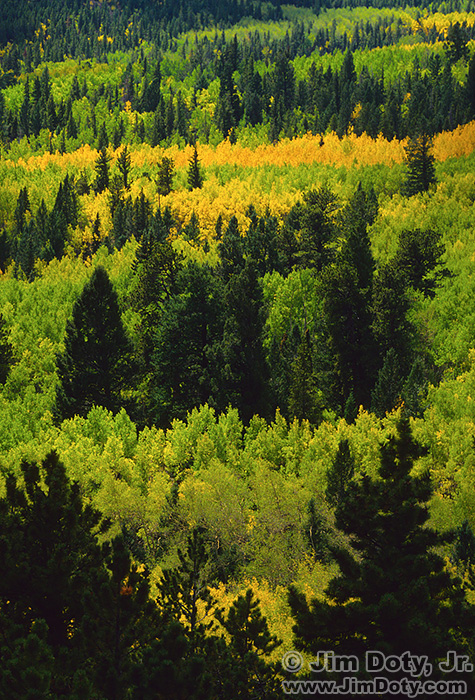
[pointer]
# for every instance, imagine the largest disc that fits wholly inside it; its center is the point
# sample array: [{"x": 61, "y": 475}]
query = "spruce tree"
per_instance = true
[
  {"x": 6, "y": 351},
  {"x": 166, "y": 172},
  {"x": 95, "y": 367},
  {"x": 305, "y": 400},
  {"x": 195, "y": 177},
  {"x": 124, "y": 164},
  {"x": 101, "y": 166},
  {"x": 340, "y": 474},
  {"x": 393, "y": 592},
  {"x": 420, "y": 165}
]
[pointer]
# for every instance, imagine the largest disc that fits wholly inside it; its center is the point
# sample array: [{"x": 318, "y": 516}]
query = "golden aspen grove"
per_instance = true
[{"x": 237, "y": 347}]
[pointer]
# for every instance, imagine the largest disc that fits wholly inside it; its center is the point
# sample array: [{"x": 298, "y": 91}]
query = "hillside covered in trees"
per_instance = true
[{"x": 237, "y": 345}]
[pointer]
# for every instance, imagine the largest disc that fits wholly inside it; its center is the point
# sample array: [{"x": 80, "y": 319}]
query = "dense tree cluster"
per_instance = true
[
  {"x": 202, "y": 334},
  {"x": 252, "y": 90}
]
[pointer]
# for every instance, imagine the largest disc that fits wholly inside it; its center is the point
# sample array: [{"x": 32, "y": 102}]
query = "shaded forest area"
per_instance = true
[{"x": 236, "y": 413}]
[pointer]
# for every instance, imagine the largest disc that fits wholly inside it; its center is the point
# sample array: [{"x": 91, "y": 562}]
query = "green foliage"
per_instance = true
[
  {"x": 419, "y": 256},
  {"x": 101, "y": 167},
  {"x": 166, "y": 171},
  {"x": 420, "y": 165},
  {"x": 95, "y": 367},
  {"x": 393, "y": 592},
  {"x": 6, "y": 351},
  {"x": 339, "y": 475},
  {"x": 195, "y": 176}
]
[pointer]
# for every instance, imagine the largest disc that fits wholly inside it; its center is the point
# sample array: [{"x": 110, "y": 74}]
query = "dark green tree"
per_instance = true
[
  {"x": 165, "y": 174},
  {"x": 420, "y": 165},
  {"x": 313, "y": 222},
  {"x": 6, "y": 351},
  {"x": 231, "y": 250},
  {"x": 339, "y": 474},
  {"x": 75, "y": 616},
  {"x": 96, "y": 364},
  {"x": 418, "y": 256},
  {"x": 124, "y": 163},
  {"x": 245, "y": 371},
  {"x": 195, "y": 177},
  {"x": 183, "y": 588},
  {"x": 102, "y": 168},
  {"x": 393, "y": 592},
  {"x": 348, "y": 320},
  {"x": 456, "y": 43},
  {"x": 387, "y": 390},
  {"x": 305, "y": 400},
  {"x": 185, "y": 371},
  {"x": 103, "y": 138},
  {"x": 316, "y": 531},
  {"x": 50, "y": 558},
  {"x": 390, "y": 305}
]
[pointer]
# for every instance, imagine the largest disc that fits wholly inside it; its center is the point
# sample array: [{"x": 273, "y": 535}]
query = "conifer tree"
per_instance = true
[
  {"x": 101, "y": 166},
  {"x": 393, "y": 592},
  {"x": 305, "y": 401},
  {"x": 6, "y": 351},
  {"x": 96, "y": 364},
  {"x": 166, "y": 172},
  {"x": 340, "y": 474},
  {"x": 75, "y": 615},
  {"x": 420, "y": 165},
  {"x": 124, "y": 162},
  {"x": 195, "y": 177}
]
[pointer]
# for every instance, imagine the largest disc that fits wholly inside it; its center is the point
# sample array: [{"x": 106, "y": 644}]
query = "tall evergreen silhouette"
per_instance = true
[
  {"x": 393, "y": 592},
  {"x": 95, "y": 367}
]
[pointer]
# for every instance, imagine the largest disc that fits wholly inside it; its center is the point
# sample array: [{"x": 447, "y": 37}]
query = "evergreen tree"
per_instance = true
[
  {"x": 393, "y": 592},
  {"x": 420, "y": 165},
  {"x": 315, "y": 531},
  {"x": 339, "y": 474},
  {"x": 348, "y": 319},
  {"x": 305, "y": 401},
  {"x": 185, "y": 373},
  {"x": 95, "y": 367},
  {"x": 101, "y": 166},
  {"x": 195, "y": 177},
  {"x": 165, "y": 174},
  {"x": 184, "y": 588},
  {"x": 387, "y": 390},
  {"x": 418, "y": 256},
  {"x": 456, "y": 43},
  {"x": 75, "y": 616},
  {"x": 231, "y": 250},
  {"x": 49, "y": 557},
  {"x": 245, "y": 376},
  {"x": 103, "y": 139},
  {"x": 6, "y": 351},
  {"x": 124, "y": 162}
]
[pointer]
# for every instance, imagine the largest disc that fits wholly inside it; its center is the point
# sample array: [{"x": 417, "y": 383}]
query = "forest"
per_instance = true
[{"x": 237, "y": 347}]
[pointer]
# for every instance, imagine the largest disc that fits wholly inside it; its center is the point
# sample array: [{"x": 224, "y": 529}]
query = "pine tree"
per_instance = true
[
  {"x": 124, "y": 162},
  {"x": 75, "y": 615},
  {"x": 101, "y": 166},
  {"x": 388, "y": 387},
  {"x": 185, "y": 374},
  {"x": 195, "y": 177},
  {"x": 6, "y": 351},
  {"x": 305, "y": 401},
  {"x": 393, "y": 592},
  {"x": 231, "y": 250},
  {"x": 183, "y": 589},
  {"x": 420, "y": 165},
  {"x": 165, "y": 174},
  {"x": 418, "y": 256},
  {"x": 96, "y": 364},
  {"x": 340, "y": 474}
]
